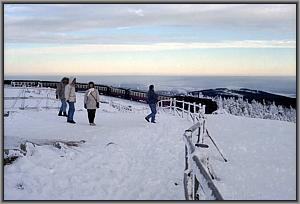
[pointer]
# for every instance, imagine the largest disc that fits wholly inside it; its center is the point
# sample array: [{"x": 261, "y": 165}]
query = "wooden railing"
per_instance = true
[
  {"x": 197, "y": 182},
  {"x": 22, "y": 97},
  {"x": 191, "y": 111}
]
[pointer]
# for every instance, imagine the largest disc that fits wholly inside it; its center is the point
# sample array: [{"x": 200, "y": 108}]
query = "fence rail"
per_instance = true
[
  {"x": 26, "y": 97},
  {"x": 197, "y": 181},
  {"x": 183, "y": 109},
  {"x": 38, "y": 98}
]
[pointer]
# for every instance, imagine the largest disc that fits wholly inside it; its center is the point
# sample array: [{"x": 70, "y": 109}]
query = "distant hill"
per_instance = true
[{"x": 248, "y": 94}]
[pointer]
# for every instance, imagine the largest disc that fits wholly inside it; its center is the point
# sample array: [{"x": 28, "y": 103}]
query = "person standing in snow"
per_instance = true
[
  {"x": 70, "y": 96},
  {"x": 60, "y": 94},
  {"x": 152, "y": 99},
  {"x": 91, "y": 102}
]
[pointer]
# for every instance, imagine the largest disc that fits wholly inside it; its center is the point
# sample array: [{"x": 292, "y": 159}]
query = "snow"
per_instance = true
[
  {"x": 126, "y": 158},
  {"x": 220, "y": 111},
  {"x": 37, "y": 98},
  {"x": 261, "y": 157}
]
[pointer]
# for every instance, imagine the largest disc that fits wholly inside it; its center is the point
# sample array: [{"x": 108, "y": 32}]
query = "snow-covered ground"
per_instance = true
[
  {"x": 261, "y": 157},
  {"x": 124, "y": 157}
]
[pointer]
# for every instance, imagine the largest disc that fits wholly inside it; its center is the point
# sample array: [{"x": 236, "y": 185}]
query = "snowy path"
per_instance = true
[{"x": 142, "y": 161}]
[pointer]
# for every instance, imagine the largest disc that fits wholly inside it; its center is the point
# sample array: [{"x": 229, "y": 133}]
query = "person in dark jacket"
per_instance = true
[
  {"x": 91, "y": 102},
  {"x": 60, "y": 94},
  {"x": 152, "y": 99}
]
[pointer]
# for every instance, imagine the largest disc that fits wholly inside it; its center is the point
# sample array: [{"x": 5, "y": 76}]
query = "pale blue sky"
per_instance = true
[{"x": 179, "y": 39}]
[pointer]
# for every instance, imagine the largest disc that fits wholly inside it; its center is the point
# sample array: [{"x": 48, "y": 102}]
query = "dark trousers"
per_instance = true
[
  {"x": 91, "y": 115},
  {"x": 153, "y": 112},
  {"x": 63, "y": 107},
  {"x": 71, "y": 111}
]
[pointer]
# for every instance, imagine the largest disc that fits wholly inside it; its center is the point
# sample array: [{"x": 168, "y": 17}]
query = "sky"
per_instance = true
[{"x": 150, "y": 39}]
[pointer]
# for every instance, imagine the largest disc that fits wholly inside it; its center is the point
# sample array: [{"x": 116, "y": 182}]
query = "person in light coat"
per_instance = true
[
  {"x": 91, "y": 102},
  {"x": 70, "y": 96},
  {"x": 60, "y": 94}
]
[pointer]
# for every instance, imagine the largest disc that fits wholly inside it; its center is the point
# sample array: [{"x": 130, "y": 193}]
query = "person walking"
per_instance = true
[
  {"x": 60, "y": 94},
  {"x": 152, "y": 99},
  {"x": 70, "y": 96},
  {"x": 91, "y": 102}
]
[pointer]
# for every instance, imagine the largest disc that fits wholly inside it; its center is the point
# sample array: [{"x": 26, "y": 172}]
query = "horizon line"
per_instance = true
[{"x": 151, "y": 74}]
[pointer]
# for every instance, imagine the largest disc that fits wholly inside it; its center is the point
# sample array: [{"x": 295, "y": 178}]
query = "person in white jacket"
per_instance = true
[
  {"x": 70, "y": 96},
  {"x": 91, "y": 102}
]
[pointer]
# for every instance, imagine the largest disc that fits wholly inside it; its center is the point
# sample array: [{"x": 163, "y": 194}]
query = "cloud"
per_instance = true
[
  {"x": 56, "y": 23},
  {"x": 93, "y": 49},
  {"x": 138, "y": 12},
  {"x": 123, "y": 28}
]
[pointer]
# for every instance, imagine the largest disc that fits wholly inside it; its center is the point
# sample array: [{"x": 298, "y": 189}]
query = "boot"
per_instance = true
[
  {"x": 60, "y": 113},
  {"x": 71, "y": 121},
  {"x": 65, "y": 114}
]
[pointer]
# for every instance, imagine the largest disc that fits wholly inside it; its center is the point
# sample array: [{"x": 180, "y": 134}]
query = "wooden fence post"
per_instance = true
[
  {"x": 174, "y": 108},
  {"x": 193, "y": 186},
  {"x": 170, "y": 104},
  {"x": 23, "y": 98},
  {"x": 204, "y": 131},
  {"x": 199, "y": 134},
  {"x": 189, "y": 111},
  {"x": 199, "y": 108},
  {"x": 196, "y": 187},
  {"x": 182, "y": 108}
]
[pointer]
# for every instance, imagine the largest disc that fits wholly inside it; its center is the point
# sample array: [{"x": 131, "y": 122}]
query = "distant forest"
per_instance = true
[{"x": 256, "y": 109}]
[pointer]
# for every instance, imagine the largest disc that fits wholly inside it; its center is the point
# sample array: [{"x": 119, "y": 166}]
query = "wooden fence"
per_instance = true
[
  {"x": 197, "y": 182},
  {"x": 23, "y": 100},
  {"x": 191, "y": 111}
]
